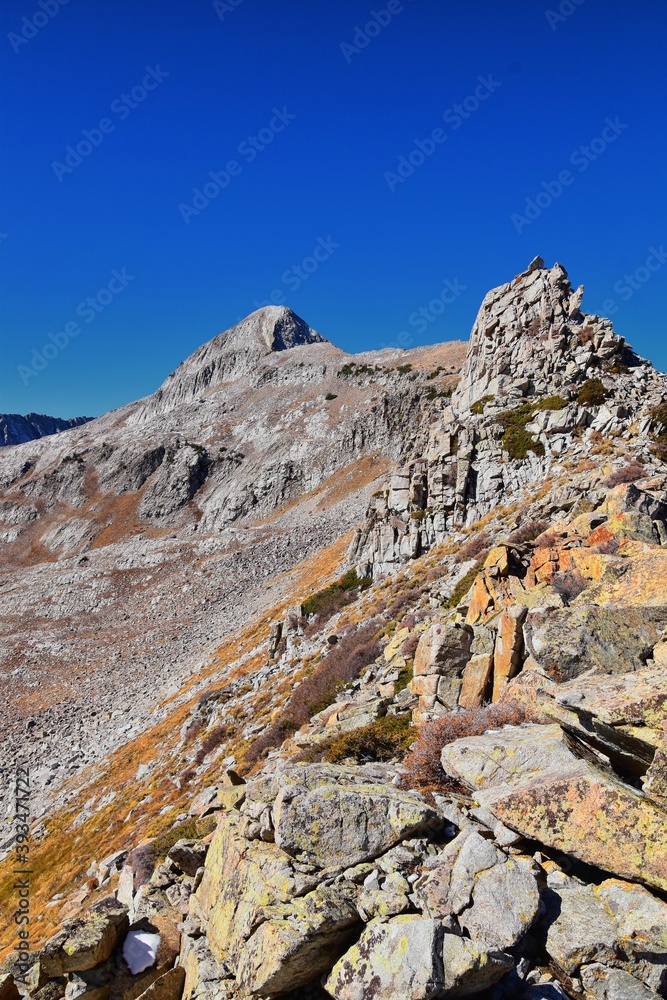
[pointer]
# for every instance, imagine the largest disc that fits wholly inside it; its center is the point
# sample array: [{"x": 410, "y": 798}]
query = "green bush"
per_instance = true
[
  {"x": 551, "y": 403},
  {"x": 382, "y": 740},
  {"x": 478, "y": 407},
  {"x": 333, "y": 597},
  {"x": 592, "y": 393},
  {"x": 517, "y": 442},
  {"x": 404, "y": 678},
  {"x": 462, "y": 588}
]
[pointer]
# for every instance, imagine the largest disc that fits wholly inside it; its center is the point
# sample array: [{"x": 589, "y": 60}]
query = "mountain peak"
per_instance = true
[
  {"x": 234, "y": 353},
  {"x": 271, "y": 328}
]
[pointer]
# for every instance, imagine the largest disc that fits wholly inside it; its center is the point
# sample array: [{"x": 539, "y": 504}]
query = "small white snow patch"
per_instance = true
[{"x": 140, "y": 950}]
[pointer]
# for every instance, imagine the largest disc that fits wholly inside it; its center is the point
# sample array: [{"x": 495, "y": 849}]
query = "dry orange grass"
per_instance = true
[{"x": 59, "y": 860}]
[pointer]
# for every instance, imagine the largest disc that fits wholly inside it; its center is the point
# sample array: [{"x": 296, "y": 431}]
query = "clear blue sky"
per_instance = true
[{"x": 180, "y": 87}]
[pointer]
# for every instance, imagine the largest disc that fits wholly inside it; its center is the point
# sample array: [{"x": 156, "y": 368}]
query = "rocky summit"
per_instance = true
[{"x": 346, "y": 676}]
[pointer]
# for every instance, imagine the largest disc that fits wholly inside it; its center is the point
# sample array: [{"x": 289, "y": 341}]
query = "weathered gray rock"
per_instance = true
[
  {"x": 189, "y": 855},
  {"x": 398, "y": 960},
  {"x": 610, "y": 640},
  {"x": 85, "y": 941},
  {"x": 530, "y": 779},
  {"x": 298, "y": 943},
  {"x": 333, "y": 823},
  {"x": 505, "y": 904},
  {"x": 616, "y": 924},
  {"x": 471, "y": 967},
  {"x": 614, "y": 984}
]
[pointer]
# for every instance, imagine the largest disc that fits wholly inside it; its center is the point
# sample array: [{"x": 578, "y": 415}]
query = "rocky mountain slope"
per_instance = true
[
  {"x": 430, "y": 761},
  {"x": 132, "y": 545},
  {"x": 15, "y": 429}
]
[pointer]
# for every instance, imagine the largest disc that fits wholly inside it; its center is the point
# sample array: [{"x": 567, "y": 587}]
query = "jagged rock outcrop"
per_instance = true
[
  {"x": 16, "y": 429},
  {"x": 542, "y": 381}
]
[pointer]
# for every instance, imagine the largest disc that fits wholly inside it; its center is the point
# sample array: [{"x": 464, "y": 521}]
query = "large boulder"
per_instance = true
[
  {"x": 614, "y": 984},
  {"x": 299, "y": 942},
  {"x": 613, "y": 639},
  {"x": 324, "y": 822},
  {"x": 440, "y": 659},
  {"x": 412, "y": 958},
  {"x": 616, "y": 924},
  {"x": 530, "y": 779},
  {"x": 85, "y": 941},
  {"x": 495, "y": 897},
  {"x": 397, "y": 960},
  {"x": 241, "y": 880}
]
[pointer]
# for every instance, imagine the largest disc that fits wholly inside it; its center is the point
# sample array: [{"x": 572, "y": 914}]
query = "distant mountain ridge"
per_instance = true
[{"x": 16, "y": 429}]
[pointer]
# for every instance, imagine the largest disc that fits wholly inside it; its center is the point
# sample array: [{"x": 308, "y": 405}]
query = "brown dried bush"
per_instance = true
[
  {"x": 569, "y": 584},
  {"x": 423, "y": 769},
  {"x": 629, "y": 473},
  {"x": 410, "y": 645},
  {"x": 527, "y": 532},
  {"x": 474, "y": 548},
  {"x": 608, "y": 548},
  {"x": 343, "y": 663},
  {"x": 406, "y": 599},
  {"x": 212, "y": 740}
]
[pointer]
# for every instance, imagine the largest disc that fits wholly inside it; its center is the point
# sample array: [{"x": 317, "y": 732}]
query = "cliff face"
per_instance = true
[
  {"x": 15, "y": 429},
  {"x": 442, "y": 773}
]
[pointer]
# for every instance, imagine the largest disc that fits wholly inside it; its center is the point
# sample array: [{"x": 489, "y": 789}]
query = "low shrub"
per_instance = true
[
  {"x": 608, "y": 548},
  {"x": 211, "y": 741},
  {"x": 406, "y": 599},
  {"x": 423, "y": 769},
  {"x": 462, "y": 588},
  {"x": 331, "y": 395},
  {"x": 551, "y": 403},
  {"x": 474, "y": 548},
  {"x": 517, "y": 442},
  {"x": 592, "y": 393},
  {"x": 343, "y": 663},
  {"x": 404, "y": 678},
  {"x": 659, "y": 431},
  {"x": 569, "y": 584},
  {"x": 527, "y": 532},
  {"x": 479, "y": 407},
  {"x": 326, "y": 603},
  {"x": 385, "y": 739},
  {"x": 629, "y": 473},
  {"x": 409, "y": 647},
  {"x": 146, "y": 857}
]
